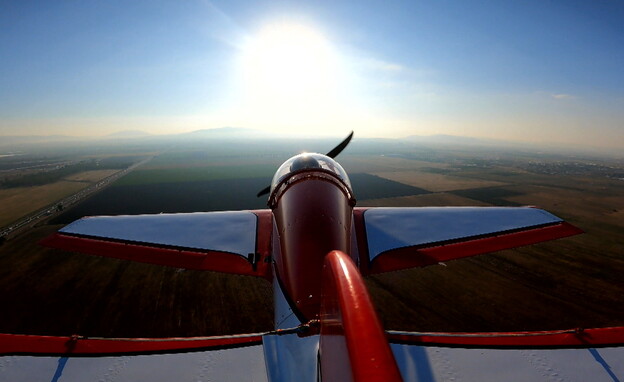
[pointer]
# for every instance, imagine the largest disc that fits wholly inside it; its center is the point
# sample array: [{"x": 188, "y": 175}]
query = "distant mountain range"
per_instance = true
[
  {"x": 223, "y": 132},
  {"x": 450, "y": 139},
  {"x": 241, "y": 133},
  {"x": 129, "y": 134},
  {"x": 456, "y": 140},
  {"x": 25, "y": 139},
  {"x": 227, "y": 132}
]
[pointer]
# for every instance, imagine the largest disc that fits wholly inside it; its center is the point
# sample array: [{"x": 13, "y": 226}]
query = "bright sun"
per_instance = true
[{"x": 290, "y": 72}]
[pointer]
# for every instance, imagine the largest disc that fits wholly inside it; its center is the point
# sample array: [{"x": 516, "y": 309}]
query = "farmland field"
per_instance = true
[
  {"x": 436, "y": 182},
  {"x": 497, "y": 196},
  {"x": 197, "y": 173},
  {"x": 438, "y": 199},
  {"x": 90, "y": 176},
  {"x": 20, "y": 201},
  {"x": 367, "y": 186},
  {"x": 568, "y": 283},
  {"x": 219, "y": 194},
  {"x": 214, "y": 195}
]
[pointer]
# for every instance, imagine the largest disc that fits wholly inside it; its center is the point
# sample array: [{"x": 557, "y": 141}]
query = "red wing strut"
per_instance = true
[{"x": 353, "y": 346}]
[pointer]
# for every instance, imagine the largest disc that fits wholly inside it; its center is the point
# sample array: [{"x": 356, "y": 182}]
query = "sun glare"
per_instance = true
[{"x": 289, "y": 71}]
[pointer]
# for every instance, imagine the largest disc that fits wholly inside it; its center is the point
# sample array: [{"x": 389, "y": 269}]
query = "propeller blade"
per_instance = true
[
  {"x": 332, "y": 154},
  {"x": 264, "y": 191},
  {"x": 338, "y": 149}
]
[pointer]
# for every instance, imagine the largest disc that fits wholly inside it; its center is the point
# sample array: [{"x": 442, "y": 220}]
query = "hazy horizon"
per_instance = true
[
  {"x": 530, "y": 72},
  {"x": 230, "y": 135}
]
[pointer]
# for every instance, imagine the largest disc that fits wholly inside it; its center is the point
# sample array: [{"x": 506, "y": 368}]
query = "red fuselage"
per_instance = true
[{"x": 313, "y": 212}]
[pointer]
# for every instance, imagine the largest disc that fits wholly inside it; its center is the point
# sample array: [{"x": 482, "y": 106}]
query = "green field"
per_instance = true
[
  {"x": 496, "y": 196},
  {"x": 193, "y": 174}
]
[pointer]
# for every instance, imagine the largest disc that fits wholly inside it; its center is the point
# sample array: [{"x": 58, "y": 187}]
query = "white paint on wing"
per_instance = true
[{"x": 231, "y": 231}]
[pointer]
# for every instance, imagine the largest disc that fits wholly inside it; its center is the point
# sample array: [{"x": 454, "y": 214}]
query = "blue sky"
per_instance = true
[{"x": 536, "y": 71}]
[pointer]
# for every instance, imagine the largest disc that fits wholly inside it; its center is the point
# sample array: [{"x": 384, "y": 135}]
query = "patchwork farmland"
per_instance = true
[{"x": 569, "y": 283}]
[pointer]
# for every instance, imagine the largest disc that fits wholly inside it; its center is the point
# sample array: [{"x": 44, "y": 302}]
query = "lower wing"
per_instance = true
[
  {"x": 57, "y": 359},
  {"x": 568, "y": 355}
]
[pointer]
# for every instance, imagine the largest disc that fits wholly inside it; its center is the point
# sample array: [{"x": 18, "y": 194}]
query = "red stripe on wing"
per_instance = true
[
  {"x": 362, "y": 242},
  {"x": 263, "y": 243},
  {"x": 172, "y": 257},
  {"x": 75, "y": 345},
  {"x": 556, "y": 338},
  {"x": 408, "y": 257}
]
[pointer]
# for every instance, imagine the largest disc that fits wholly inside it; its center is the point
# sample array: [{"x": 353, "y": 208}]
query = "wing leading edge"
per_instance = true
[{"x": 397, "y": 238}]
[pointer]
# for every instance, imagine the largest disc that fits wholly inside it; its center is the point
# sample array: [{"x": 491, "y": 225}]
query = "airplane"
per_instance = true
[{"x": 315, "y": 245}]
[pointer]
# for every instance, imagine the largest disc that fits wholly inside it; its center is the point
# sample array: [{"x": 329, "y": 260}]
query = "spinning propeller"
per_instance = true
[{"x": 332, "y": 154}]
